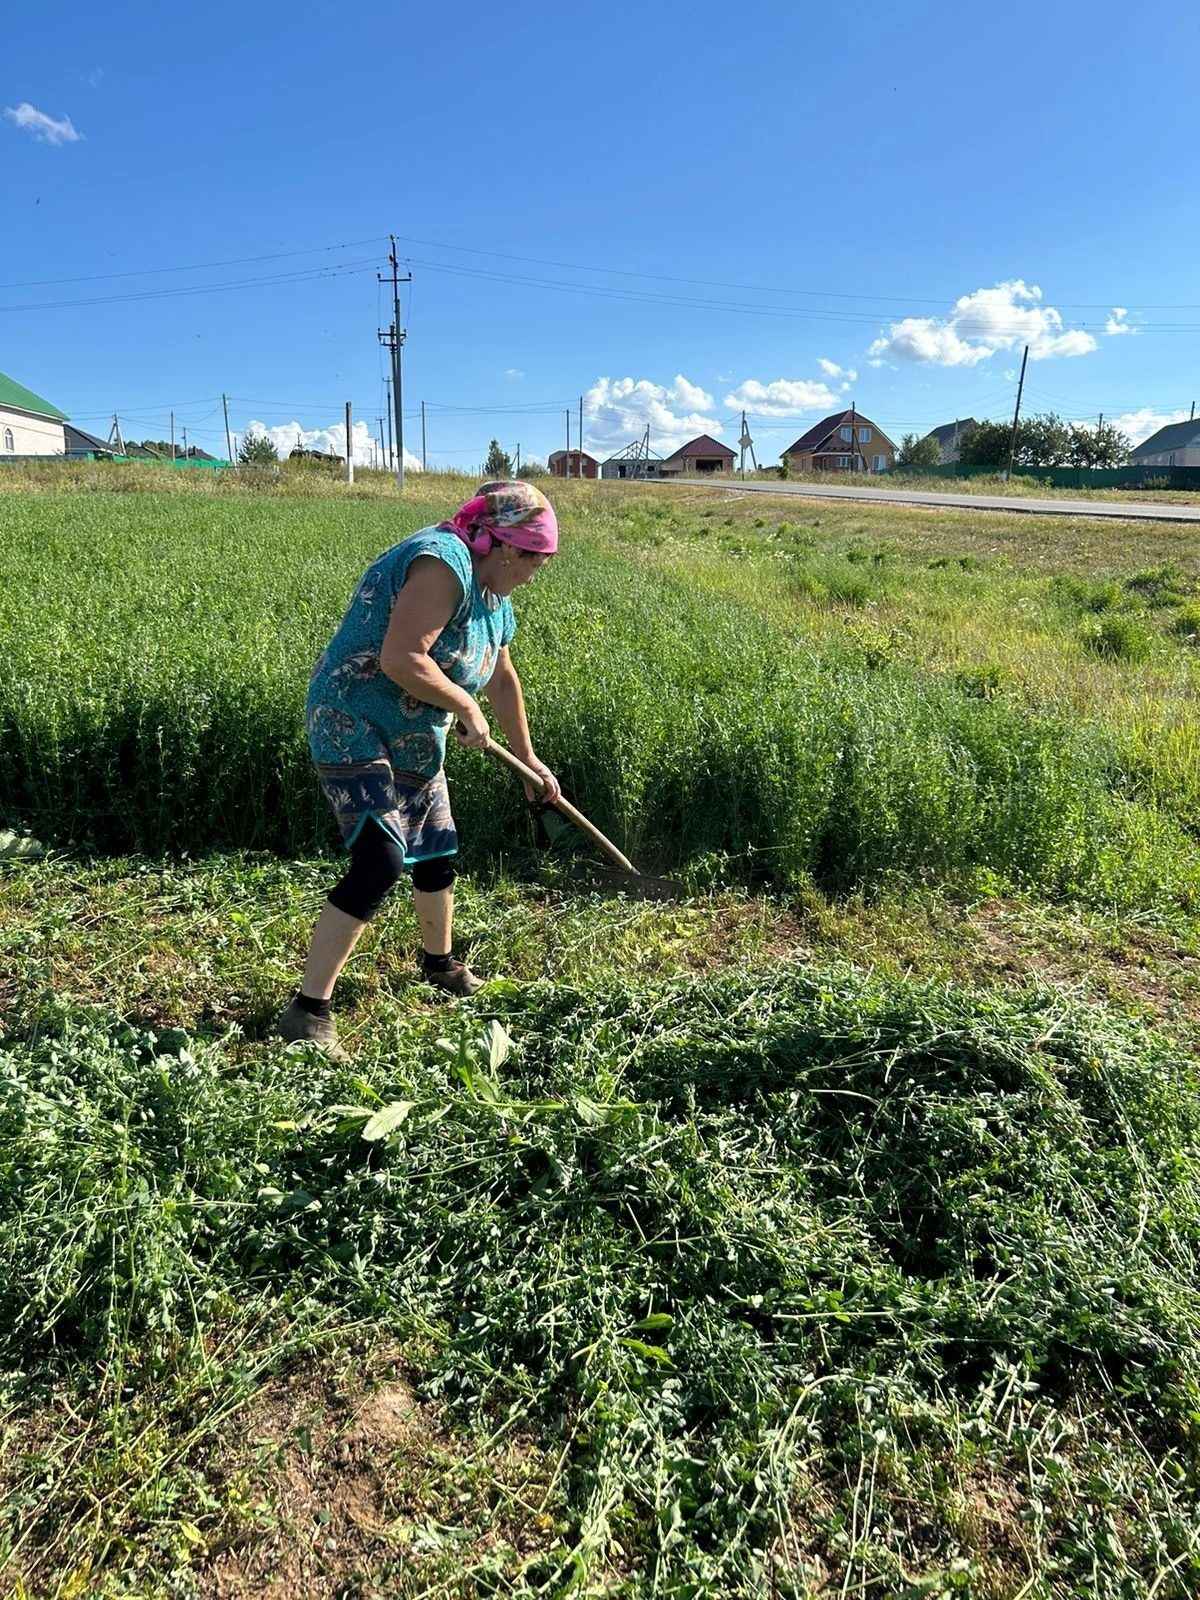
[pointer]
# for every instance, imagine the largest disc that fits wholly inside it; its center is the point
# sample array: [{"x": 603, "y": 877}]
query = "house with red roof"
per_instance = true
[
  {"x": 844, "y": 442},
  {"x": 704, "y": 454}
]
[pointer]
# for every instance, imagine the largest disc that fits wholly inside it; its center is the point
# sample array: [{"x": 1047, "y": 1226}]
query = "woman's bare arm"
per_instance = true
[{"x": 429, "y": 598}]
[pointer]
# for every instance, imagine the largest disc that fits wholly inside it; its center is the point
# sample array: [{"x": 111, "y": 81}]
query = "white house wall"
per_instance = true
[{"x": 32, "y": 436}]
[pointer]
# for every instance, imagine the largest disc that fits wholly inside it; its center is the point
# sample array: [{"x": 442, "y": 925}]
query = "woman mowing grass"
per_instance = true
[{"x": 427, "y": 629}]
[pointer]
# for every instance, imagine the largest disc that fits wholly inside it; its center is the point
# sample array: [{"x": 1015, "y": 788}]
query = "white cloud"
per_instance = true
[
  {"x": 1117, "y": 323},
  {"x": 618, "y": 409},
  {"x": 513, "y": 372},
  {"x": 1005, "y": 317},
  {"x": 1139, "y": 425},
  {"x": 42, "y": 127},
  {"x": 783, "y": 397},
  {"x": 832, "y": 370},
  {"x": 332, "y": 441}
]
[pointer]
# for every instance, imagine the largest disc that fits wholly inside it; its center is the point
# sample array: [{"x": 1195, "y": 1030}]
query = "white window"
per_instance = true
[
  {"x": 848, "y": 434},
  {"x": 880, "y": 463},
  {"x": 10, "y": 447},
  {"x": 843, "y": 461},
  {"x": 864, "y": 436}
]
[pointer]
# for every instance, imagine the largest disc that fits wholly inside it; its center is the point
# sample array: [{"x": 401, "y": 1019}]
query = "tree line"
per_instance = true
[{"x": 1041, "y": 441}]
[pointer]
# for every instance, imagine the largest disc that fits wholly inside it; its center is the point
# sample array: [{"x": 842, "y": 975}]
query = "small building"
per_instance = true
[
  {"x": 635, "y": 461},
  {"x": 29, "y": 425},
  {"x": 573, "y": 464},
  {"x": 1176, "y": 445},
  {"x": 81, "y": 446},
  {"x": 949, "y": 437},
  {"x": 846, "y": 441},
  {"x": 701, "y": 455}
]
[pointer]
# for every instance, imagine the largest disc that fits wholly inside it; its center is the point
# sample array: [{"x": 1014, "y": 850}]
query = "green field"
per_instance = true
[{"x": 831, "y": 1232}]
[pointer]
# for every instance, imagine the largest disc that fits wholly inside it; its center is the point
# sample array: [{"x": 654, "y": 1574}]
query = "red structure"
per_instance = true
[{"x": 573, "y": 464}]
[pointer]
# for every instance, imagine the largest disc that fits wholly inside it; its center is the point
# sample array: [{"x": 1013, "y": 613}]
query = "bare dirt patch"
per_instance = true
[{"x": 348, "y": 1485}]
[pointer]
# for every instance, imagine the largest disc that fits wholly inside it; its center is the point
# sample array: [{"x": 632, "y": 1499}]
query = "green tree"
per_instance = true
[
  {"x": 256, "y": 450},
  {"x": 985, "y": 444},
  {"x": 916, "y": 453},
  {"x": 1102, "y": 446},
  {"x": 1042, "y": 441},
  {"x": 498, "y": 463},
  {"x": 533, "y": 469}
]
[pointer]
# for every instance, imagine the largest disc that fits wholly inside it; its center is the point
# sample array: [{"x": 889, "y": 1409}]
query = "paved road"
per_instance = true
[{"x": 1139, "y": 511}]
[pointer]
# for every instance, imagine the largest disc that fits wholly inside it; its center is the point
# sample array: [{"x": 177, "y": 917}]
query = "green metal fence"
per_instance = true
[{"x": 1071, "y": 477}]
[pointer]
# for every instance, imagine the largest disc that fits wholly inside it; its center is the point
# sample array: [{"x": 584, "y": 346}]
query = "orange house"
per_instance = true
[{"x": 844, "y": 442}]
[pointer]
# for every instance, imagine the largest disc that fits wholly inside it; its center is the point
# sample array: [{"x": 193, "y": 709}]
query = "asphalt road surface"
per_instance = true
[{"x": 1121, "y": 511}]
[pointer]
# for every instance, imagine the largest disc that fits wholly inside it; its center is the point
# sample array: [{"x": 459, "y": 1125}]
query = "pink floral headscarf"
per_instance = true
[{"x": 516, "y": 513}]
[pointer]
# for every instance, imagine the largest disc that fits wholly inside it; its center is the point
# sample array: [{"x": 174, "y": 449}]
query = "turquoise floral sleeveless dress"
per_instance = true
[{"x": 378, "y": 751}]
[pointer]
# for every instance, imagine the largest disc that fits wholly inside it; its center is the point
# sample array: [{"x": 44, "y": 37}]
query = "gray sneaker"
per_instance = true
[
  {"x": 456, "y": 979},
  {"x": 298, "y": 1026}
]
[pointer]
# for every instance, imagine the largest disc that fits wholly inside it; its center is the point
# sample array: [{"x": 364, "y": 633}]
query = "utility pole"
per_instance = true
[
  {"x": 172, "y": 435},
  {"x": 185, "y": 444},
  {"x": 518, "y": 458},
  {"x": 382, "y": 457},
  {"x": 393, "y": 340},
  {"x": 424, "y": 465},
  {"x": 349, "y": 446},
  {"x": 1012, "y": 443},
  {"x": 391, "y": 455},
  {"x": 228, "y": 439},
  {"x": 581, "y": 436},
  {"x": 567, "y": 460},
  {"x": 1192, "y": 418},
  {"x": 853, "y": 438}
]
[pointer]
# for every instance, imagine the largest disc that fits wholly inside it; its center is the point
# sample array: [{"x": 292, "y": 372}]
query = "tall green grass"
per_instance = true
[{"x": 157, "y": 650}]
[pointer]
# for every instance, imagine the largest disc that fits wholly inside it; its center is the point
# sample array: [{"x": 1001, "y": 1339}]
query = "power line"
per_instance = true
[
  {"x": 759, "y": 288},
  {"x": 978, "y": 327},
  {"x": 274, "y": 280},
  {"x": 200, "y": 266}
]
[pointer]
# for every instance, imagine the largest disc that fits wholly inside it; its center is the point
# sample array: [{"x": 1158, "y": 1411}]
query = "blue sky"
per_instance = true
[{"x": 672, "y": 210}]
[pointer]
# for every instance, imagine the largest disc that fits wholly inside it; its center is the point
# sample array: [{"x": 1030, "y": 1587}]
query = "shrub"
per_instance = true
[
  {"x": 1186, "y": 622},
  {"x": 1163, "y": 585},
  {"x": 1120, "y": 638}
]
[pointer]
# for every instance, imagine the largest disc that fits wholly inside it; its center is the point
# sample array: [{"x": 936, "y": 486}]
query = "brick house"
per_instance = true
[
  {"x": 573, "y": 464},
  {"x": 29, "y": 425},
  {"x": 832, "y": 443},
  {"x": 704, "y": 454}
]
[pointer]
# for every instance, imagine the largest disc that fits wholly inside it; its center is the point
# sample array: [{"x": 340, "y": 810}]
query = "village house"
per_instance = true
[
  {"x": 1177, "y": 445},
  {"x": 573, "y": 464},
  {"x": 29, "y": 425},
  {"x": 704, "y": 454},
  {"x": 844, "y": 442},
  {"x": 949, "y": 437},
  {"x": 636, "y": 460}
]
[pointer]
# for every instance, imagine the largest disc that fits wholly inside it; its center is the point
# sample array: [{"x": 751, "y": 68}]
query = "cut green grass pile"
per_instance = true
[{"x": 795, "y": 1275}]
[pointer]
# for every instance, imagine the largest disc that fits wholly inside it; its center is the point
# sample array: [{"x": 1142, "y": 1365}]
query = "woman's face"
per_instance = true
[{"x": 505, "y": 568}]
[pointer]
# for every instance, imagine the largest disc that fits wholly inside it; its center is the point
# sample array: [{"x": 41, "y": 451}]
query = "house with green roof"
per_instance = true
[{"x": 29, "y": 425}]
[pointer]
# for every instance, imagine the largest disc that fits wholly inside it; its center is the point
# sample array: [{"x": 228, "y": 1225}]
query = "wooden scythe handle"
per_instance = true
[{"x": 514, "y": 764}]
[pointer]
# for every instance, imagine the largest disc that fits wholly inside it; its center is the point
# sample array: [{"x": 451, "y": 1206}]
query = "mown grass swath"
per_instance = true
[{"x": 814, "y": 1251}]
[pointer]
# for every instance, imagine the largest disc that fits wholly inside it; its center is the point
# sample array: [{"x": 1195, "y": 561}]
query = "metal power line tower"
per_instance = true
[
  {"x": 746, "y": 443},
  {"x": 393, "y": 340}
]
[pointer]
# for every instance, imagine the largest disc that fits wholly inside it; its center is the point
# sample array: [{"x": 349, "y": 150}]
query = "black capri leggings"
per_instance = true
[{"x": 376, "y": 867}]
